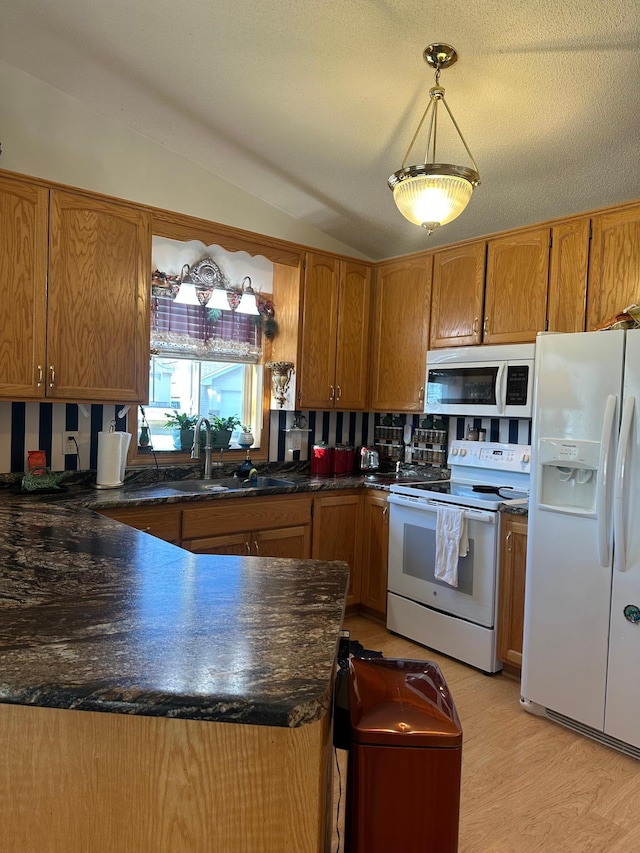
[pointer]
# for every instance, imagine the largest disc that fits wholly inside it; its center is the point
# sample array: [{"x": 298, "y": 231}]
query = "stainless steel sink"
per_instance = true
[{"x": 230, "y": 484}]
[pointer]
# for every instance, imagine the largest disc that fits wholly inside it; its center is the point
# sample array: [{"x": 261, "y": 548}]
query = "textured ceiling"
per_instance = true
[{"x": 310, "y": 104}]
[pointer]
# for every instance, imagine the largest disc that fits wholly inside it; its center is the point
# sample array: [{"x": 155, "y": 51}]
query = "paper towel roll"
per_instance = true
[{"x": 112, "y": 458}]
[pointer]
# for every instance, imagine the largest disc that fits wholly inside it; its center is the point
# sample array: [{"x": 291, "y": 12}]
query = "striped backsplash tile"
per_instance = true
[{"x": 39, "y": 426}]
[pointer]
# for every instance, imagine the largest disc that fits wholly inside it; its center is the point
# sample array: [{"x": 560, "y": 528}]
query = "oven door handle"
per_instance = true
[{"x": 431, "y": 506}]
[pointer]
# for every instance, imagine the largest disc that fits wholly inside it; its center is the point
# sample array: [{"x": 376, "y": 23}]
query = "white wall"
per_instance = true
[{"x": 50, "y": 135}]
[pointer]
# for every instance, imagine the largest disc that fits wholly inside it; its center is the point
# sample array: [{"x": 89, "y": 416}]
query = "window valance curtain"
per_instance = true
[{"x": 195, "y": 331}]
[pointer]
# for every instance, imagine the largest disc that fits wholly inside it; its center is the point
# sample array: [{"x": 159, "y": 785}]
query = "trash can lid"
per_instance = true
[{"x": 401, "y": 703}]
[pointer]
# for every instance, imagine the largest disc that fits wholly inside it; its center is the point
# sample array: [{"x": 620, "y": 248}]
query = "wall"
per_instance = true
[
  {"x": 39, "y": 426},
  {"x": 50, "y": 135}
]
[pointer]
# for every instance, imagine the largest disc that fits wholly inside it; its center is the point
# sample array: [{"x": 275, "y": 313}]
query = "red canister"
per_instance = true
[
  {"x": 321, "y": 459},
  {"x": 343, "y": 459}
]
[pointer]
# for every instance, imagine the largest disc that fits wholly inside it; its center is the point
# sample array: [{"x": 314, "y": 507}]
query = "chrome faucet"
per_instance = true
[{"x": 195, "y": 450}]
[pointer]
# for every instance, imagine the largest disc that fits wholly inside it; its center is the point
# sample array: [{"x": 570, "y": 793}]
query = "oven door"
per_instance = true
[{"x": 412, "y": 553}]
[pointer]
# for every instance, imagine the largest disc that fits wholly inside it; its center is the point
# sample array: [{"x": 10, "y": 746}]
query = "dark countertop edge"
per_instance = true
[{"x": 225, "y": 710}]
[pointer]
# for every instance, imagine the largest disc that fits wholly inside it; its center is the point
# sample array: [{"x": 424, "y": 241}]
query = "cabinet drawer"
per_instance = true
[
  {"x": 163, "y": 522},
  {"x": 237, "y": 515}
]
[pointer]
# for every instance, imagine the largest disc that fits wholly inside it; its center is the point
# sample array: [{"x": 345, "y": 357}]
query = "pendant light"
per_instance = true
[
  {"x": 248, "y": 303},
  {"x": 433, "y": 193}
]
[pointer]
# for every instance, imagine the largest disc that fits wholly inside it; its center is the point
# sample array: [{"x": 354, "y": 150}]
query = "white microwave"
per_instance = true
[{"x": 491, "y": 381}]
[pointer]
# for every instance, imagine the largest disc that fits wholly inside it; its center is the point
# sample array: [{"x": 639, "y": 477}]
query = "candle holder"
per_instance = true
[{"x": 281, "y": 372}]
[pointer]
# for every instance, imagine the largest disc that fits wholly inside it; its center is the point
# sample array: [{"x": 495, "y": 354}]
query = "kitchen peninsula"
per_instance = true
[{"x": 157, "y": 700}]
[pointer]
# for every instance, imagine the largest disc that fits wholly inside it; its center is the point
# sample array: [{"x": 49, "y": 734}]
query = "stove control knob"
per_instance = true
[
  {"x": 463, "y": 452},
  {"x": 525, "y": 457},
  {"x": 454, "y": 451}
]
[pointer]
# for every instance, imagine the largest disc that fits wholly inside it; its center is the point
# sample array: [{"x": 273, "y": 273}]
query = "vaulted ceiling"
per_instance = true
[{"x": 310, "y": 104}]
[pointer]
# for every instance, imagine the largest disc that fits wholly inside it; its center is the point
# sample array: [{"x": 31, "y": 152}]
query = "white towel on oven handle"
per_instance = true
[{"x": 451, "y": 543}]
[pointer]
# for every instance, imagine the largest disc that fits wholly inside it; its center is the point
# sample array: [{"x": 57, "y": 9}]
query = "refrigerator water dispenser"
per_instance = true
[{"x": 568, "y": 475}]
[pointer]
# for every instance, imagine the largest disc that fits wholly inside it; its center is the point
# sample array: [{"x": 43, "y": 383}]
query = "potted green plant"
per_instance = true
[
  {"x": 183, "y": 427},
  {"x": 221, "y": 429}
]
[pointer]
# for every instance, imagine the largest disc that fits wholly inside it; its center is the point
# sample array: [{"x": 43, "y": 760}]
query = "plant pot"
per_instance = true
[
  {"x": 186, "y": 440},
  {"x": 220, "y": 437},
  {"x": 245, "y": 440}
]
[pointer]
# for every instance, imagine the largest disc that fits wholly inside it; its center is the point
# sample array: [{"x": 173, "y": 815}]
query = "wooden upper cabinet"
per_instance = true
[
  {"x": 614, "y": 266},
  {"x": 334, "y": 339},
  {"x": 458, "y": 296},
  {"x": 516, "y": 287},
  {"x": 400, "y": 334},
  {"x": 568, "y": 276},
  {"x": 23, "y": 288},
  {"x": 98, "y": 300}
]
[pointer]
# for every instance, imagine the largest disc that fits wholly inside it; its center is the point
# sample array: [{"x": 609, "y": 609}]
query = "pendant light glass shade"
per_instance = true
[
  {"x": 431, "y": 194},
  {"x": 187, "y": 294},
  {"x": 248, "y": 303},
  {"x": 432, "y": 198},
  {"x": 219, "y": 300}
]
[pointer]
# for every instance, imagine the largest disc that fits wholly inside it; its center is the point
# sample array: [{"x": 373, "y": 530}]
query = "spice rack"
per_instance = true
[{"x": 388, "y": 442}]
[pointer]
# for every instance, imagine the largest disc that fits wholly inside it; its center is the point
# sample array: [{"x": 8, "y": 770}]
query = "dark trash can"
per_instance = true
[{"x": 403, "y": 780}]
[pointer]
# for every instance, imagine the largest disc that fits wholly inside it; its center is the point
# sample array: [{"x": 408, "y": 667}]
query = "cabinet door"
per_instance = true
[
  {"x": 458, "y": 296},
  {"x": 98, "y": 300},
  {"x": 375, "y": 553},
  {"x": 568, "y": 276},
  {"x": 516, "y": 287},
  {"x": 513, "y": 562},
  {"x": 235, "y": 544},
  {"x": 400, "y": 334},
  {"x": 293, "y": 542},
  {"x": 614, "y": 267},
  {"x": 23, "y": 288},
  {"x": 316, "y": 380},
  {"x": 353, "y": 336},
  {"x": 162, "y": 522},
  {"x": 337, "y": 534}
]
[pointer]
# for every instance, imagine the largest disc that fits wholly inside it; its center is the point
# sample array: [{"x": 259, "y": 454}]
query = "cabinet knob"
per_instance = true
[{"x": 52, "y": 376}]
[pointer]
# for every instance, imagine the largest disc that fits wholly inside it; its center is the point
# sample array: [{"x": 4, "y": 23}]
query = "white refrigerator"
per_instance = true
[{"x": 581, "y": 655}]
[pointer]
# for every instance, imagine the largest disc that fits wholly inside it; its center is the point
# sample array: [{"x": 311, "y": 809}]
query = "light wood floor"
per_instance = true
[{"x": 528, "y": 784}]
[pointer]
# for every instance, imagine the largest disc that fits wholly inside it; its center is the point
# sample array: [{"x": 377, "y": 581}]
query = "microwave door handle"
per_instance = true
[
  {"x": 602, "y": 487},
  {"x": 501, "y": 377},
  {"x": 619, "y": 532}
]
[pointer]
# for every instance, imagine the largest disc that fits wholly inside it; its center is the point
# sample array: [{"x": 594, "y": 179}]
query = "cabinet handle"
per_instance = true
[
  {"x": 339, "y": 390},
  {"x": 40, "y": 376},
  {"x": 485, "y": 327},
  {"x": 507, "y": 539},
  {"x": 247, "y": 546},
  {"x": 333, "y": 393},
  {"x": 256, "y": 547},
  {"x": 474, "y": 328},
  {"x": 385, "y": 515},
  {"x": 52, "y": 376},
  {"x": 421, "y": 394}
]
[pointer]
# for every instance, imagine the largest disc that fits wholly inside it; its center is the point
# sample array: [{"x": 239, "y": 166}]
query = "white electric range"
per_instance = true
[{"x": 457, "y": 621}]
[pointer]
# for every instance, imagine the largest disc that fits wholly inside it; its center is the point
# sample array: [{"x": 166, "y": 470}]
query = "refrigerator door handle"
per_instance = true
[
  {"x": 620, "y": 553},
  {"x": 602, "y": 489},
  {"x": 500, "y": 389}
]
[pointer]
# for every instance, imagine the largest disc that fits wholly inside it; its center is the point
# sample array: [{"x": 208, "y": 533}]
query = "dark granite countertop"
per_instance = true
[{"x": 98, "y": 616}]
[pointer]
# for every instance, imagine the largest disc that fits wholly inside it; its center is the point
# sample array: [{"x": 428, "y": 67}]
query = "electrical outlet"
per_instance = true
[
  {"x": 68, "y": 442},
  {"x": 295, "y": 440}
]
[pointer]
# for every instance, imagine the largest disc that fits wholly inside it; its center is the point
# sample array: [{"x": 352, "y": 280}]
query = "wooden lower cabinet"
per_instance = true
[
  {"x": 337, "y": 534},
  {"x": 375, "y": 553},
  {"x": 163, "y": 522},
  {"x": 269, "y": 526},
  {"x": 513, "y": 562},
  {"x": 294, "y": 542}
]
